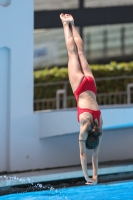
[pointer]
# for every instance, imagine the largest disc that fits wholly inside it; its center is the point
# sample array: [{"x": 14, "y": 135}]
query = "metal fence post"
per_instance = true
[
  {"x": 58, "y": 92},
  {"x": 129, "y": 86}
]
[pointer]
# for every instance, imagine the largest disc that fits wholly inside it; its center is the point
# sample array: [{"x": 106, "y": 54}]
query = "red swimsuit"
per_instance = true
[{"x": 87, "y": 83}]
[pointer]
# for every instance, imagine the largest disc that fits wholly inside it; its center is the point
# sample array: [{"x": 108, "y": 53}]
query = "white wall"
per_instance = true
[
  {"x": 24, "y": 135},
  {"x": 63, "y": 122},
  {"x": 4, "y": 105},
  {"x": 59, "y": 132},
  {"x": 16, "y": 62}
]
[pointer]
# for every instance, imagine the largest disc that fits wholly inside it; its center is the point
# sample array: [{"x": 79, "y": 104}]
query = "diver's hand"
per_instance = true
[{"x": 91, "y": 181}]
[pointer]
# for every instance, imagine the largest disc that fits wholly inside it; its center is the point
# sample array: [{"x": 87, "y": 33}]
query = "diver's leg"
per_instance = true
[
  {"x": 80, "y": 47},
  {"x": 74, "y": 68}
]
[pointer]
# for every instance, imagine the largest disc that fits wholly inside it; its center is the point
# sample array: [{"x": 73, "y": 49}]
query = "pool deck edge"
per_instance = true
[{"x": 56, "y": 175}]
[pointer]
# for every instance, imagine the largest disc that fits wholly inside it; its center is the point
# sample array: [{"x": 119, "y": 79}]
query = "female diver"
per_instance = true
[{"x": 84, "y": 89}]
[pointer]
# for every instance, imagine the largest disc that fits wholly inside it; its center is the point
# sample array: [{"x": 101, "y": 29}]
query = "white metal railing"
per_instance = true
[
  {"x": 62, "y": 100},
  {"x": 103, "y": 99}
]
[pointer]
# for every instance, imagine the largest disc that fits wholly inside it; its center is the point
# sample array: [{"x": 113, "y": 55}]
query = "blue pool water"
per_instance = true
[{"x": 113, "y": 191}]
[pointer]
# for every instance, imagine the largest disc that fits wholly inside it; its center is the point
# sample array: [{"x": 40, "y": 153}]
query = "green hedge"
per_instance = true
[{"x": 61, "y": 74}]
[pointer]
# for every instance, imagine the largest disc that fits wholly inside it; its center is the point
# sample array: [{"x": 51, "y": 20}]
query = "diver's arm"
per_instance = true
[
  {"x": 95, "y": 166},
  {"x": 95, "y": 161},
  {"x": 83, "y": 159},
  {"x": 82, "y": 146},
  {"x": 95, "y": 155}
]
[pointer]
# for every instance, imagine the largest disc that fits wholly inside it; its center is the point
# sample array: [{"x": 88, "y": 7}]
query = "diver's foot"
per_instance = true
[
  {"x": 70, "y": 18},
  {"x": 64, "y": 20},
  {"x": 92, "y": 181}
]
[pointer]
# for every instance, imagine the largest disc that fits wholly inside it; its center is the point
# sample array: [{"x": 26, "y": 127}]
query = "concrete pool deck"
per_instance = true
[{"x": 59, "y": 174}]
